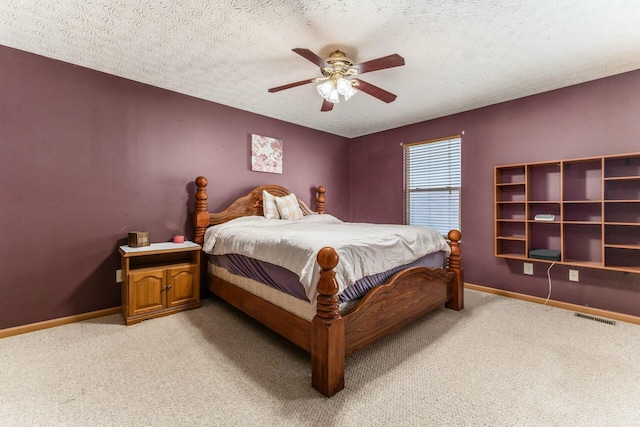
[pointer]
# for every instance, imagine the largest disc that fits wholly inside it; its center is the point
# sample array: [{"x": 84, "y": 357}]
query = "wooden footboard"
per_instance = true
[{"x": 408, "y": 295}]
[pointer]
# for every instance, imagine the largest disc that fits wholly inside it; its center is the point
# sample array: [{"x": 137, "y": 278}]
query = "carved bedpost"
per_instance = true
[
  {"x": 320, "y": 200},
  {"x": 455, "y": 265},
  {"x": 201, "y": 214},
  {"x": 327, "y": 330}
]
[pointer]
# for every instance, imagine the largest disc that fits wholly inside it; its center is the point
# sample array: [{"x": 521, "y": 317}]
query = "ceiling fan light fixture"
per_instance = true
[
  {"x": 334, "y": 97},
  {"x": 345, "y": 88},
  {"x": 325, "y": 89},
  {"x": 333, "y": 88},
  {"x": 329, "y": 92}
]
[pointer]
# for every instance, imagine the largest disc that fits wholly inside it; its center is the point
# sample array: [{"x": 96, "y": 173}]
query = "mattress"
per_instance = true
[
  {"x": 286, "y": 281},
  {"x": 301, "y": 308},
  {"x": 364, "y": 249}
]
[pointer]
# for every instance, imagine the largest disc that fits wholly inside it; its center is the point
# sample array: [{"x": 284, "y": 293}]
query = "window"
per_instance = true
[{"x": 432, "y": 182}]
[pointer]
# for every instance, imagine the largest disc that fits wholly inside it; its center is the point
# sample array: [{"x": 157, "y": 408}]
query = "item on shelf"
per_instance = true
[
  {"x": 138, "y": 239},
  {"x": 546, "y": 254},
  {"x": 178, "y": 239},
  {"x": 545, "y": 217}
]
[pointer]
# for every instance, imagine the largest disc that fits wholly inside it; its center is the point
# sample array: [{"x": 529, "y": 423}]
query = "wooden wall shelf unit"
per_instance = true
[
  {"x": 159, "y": 279},
  {"x": 595, "y": 203}
]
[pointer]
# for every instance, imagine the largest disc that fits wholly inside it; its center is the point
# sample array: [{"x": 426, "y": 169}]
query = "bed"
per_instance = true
[{"x": 332, "y": 332}]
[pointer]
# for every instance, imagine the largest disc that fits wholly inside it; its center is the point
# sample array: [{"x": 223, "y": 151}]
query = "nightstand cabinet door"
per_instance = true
[
  {"x": 183, "y": 285},
  {"x": 146, "y": 291}
]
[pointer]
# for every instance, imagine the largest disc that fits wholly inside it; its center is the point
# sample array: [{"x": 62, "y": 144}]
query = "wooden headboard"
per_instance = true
[{"x": 248, "y": 205}]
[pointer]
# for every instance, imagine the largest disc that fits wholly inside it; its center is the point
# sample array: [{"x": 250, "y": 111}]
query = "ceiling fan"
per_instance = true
[{"x": 338, "y": 72}]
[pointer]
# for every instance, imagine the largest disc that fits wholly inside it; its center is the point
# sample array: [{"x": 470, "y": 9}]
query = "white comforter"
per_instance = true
[{"x": 364, "y": 249}]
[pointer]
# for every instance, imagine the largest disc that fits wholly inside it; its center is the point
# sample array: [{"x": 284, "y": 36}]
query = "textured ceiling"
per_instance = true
[{"x": 460, "y": 54}]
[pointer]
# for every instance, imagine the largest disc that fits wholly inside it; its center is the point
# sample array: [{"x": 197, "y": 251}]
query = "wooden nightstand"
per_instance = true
[{"x": 160, "y": 279}]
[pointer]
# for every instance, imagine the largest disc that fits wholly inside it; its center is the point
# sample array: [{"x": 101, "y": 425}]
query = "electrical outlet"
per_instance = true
[
  {"x": 574, "y": 276},
  {"x": 528, "y": 268},
  {"x": 118, "y": 276}
]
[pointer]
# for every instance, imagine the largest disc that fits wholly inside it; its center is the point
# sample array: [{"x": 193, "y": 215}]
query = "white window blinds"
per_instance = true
[{"x": 432, "y": 175}]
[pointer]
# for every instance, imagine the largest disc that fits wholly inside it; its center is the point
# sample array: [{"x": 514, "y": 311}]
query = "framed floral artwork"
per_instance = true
[{"x": 266, "y": 154}]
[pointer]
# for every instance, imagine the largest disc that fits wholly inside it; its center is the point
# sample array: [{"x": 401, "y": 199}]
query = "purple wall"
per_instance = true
[
  {"x": 86, "y": 157},
  {"x": 590, "y": 119}
]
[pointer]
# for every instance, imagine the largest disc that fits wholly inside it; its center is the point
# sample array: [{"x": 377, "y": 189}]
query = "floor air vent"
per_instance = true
[{"x": 597, "y": 319}]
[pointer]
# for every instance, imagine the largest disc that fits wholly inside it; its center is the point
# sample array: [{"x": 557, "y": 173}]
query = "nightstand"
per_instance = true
[{"x": 160, "y": 279}]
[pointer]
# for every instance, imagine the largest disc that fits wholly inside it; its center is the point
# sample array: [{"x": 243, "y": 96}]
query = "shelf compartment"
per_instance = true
[
  {"x": 510, "y": 175},
  {"x": 582, "y": 211},
  {"x": 547, "y": 181},
  {"x": 583, "y": 180},
  {"x": 622, "y": 189},
  {"x": 154, "y": 261},
  {"x": 536, "y": 208},
  {"x": 510, "y": 211},
  {"x": 511, "y": 230},
  {"x": 544, "y": 235},
  {"x": 623, "y": 259},
  {"x": 622, "y": 212},
  {"x": 577, "y": 263},
  {"x": 623, "y": 166},
  {"x": 583, "y": 243},
  {"x": 511, "y": 193},
  {"x": 622, "y": 235},
  {"x": 511, "y": 248}
]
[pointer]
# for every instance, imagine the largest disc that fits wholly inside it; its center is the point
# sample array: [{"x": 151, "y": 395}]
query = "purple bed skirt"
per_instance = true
[{"x": 287, "y": 281}]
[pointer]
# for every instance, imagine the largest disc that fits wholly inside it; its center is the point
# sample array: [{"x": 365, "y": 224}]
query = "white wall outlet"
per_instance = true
[
  {"x": 118, "y": 276},
  {"x": 528, "y": 268},
  {"x": 574, "y": 276}
]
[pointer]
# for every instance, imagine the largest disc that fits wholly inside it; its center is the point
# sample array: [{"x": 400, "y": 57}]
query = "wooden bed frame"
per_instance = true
[{"x": 330, "y": 337}]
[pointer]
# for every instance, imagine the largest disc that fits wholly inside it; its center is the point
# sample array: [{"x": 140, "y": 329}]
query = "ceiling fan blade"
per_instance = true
[
  {"x": 374, "y": 91},
  {"x": 290, "y": 85},
  {"x": 327, "y": 106},
  {"x": 307, "y": 54},
  {"x": 390, "y": 61}
]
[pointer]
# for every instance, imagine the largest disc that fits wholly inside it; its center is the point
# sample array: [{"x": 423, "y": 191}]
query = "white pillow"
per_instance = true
[
  {"x": 269, "y": 208},
  {"x": 288, "y": 207}
]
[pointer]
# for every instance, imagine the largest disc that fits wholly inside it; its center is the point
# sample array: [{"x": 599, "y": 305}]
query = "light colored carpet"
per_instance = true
[{"x": 499, "y": 362}]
